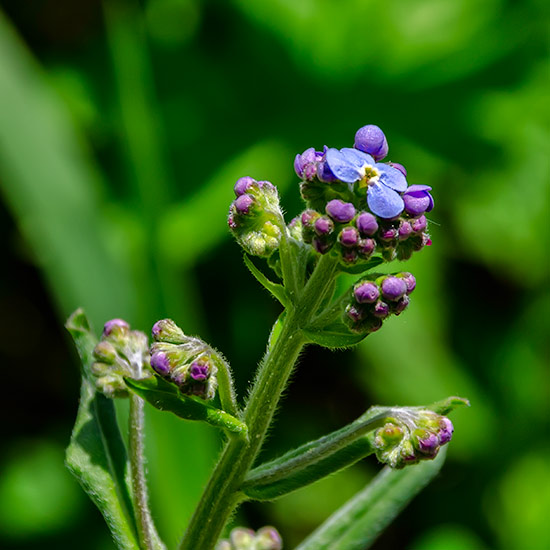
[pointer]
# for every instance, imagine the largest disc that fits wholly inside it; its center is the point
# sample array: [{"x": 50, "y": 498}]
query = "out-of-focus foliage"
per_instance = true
[{"x": 123, "y": 127}]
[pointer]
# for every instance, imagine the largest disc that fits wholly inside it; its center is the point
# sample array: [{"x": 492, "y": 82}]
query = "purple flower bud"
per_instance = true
[
  {"x": 308, "y": 217},
  {"x": 243, "y": 184},
  {"x": 166, "y": 330},
  {"x": 419, "y": 224},
  {"x": 355, "y": 313},
  {"x": 160, "y": 363},
  {"x": 393, "y": 288},
  {"x": 418, "y": 200},
  {"x": 366, "y": 247},
  {"x": 399, "y": 167},
  {"x": 401, "y": 305},
  {"x": 405, "y": 230},
  {"x": 370, "y": 139},
  {"x": 366, "y": 293},
  {"x": 367, "y": 224},
  {"x": 446, "y": 432},
  {"x": 323, "y": 226},
  {"x": 305, "y": 165},
  {"x": 410, "y": 281},
  {"x": 349, "y": 256},
  {"x": 340, "y": 211},
  {"x": 388, "y": 234},
  {"x": 428, "y": 443},
  {"x": 321, "y": 246},
  {"x": 199, "y": 371},
  {"x": 348, "y": 236},
  {"x": 231, "y": 222},
  {"x": 381, "y": 310},
  {"x": 243, "y": 203},
  {"x": 117, "y": 325},
  {"x": 268, "y": 538}
]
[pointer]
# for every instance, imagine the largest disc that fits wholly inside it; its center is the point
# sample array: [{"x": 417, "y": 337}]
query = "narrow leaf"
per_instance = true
[
  {"x": 96, "y": 455},
  {"x": 277, "y": 290},
  {"x": 166, "y": 397},
  {"x": 316, "y": 459},
  {"x": 362, "y": 267},
  {"x": 334, "y": 336},
  {"x": 359, "y": 522}
]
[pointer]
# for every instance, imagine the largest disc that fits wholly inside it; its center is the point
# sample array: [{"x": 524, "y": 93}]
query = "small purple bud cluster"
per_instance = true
[
  {"x": 355, "y": 236},
  {"x": 266, "y": 538},
  {"x": 187, "y": 362},
  {"x": 411, "y": 435},
  {"x": 120, "y": 353},
  {"x": 255, "y": 217},
  {"x": 375, "y": 298}
]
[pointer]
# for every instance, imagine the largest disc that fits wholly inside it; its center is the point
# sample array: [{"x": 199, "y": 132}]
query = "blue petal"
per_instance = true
[
  {"x": 392, "y": 177},
  {"x": 383, "y": 201},
  {"x": 357, "y": 158},
  {"x": 342, "y": 168}
]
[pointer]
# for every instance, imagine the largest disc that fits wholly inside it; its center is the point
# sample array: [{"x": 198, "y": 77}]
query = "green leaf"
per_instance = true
[
  {"x": 359, "y": 522},
  {"x": 361, "y": 267},
  {"x": 316, "y": 459},
  {"x": 334, "y": 336},
  {"x": 165, "y": 397},
  {"x": 276, "y": 330},
  {"x": 277, "y": 290},
  {"x": 96, "y": 455}
]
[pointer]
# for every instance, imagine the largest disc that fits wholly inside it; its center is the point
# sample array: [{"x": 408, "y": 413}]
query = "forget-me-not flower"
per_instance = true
[{"x": 383, "y": 182}]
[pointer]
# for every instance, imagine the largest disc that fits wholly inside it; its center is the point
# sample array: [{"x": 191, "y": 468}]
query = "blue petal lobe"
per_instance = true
[
  {"x": 392, "y": 177},
  {"x": 384, "y": 202},
  {"x": 357, "y": 158},
  {"x": 343, "y": 169}
]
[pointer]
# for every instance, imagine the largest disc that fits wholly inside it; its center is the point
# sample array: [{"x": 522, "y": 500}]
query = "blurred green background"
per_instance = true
[{"x": 123, "y": 126}]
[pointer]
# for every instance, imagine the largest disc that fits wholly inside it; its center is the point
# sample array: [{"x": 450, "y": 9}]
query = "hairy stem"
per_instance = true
[
  {"x": 148, "y": 537},
  {"x": 222, "y": 493}
]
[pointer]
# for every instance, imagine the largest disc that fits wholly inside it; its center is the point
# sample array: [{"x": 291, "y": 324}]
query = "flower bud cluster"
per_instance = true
[
  {"x": 255, "y": 217},
  {"x": 120, "y": 353},
  {"x": 356, "y": 236},
  {"x": 411, "y": 435},
  {"x": 187, "y": 362},
  {"x": 266, "y": 538},
  {"x": 375, "y": 298}
]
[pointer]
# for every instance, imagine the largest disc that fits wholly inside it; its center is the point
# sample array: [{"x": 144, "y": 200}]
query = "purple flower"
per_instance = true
[
  {"x": 340, "y": 211},
  {"x": 418, "y": 200},
  {"x": 243, "y": 203},
  {"x": 370, "y": 139},
  {"x": 446, "y": 432},
  {"x": 382, "y": 181}
]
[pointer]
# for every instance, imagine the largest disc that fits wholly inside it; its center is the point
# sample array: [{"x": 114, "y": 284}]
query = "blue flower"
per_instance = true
[{"x": 382, "y": 181}]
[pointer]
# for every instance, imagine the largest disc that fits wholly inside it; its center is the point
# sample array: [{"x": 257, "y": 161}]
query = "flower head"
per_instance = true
[{"x": 383, "y": 182}]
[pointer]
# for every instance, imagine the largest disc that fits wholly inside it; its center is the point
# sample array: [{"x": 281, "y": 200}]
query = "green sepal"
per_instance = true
[
  {"x": 445, "y": 406},
  {"x": 166, "y": 397},
  {"x": 277, "y": 290},
  {"x": 337, "y": 335},
  {"x": 96, "y": 454},
  {"x": 361, "y": 267},
  {"x": 359, "y": 522}
]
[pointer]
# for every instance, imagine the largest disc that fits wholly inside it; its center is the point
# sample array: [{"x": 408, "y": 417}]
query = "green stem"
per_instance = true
[
  {"x": 222, "y": 494},
  {"x": 148, "y": 537}
]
